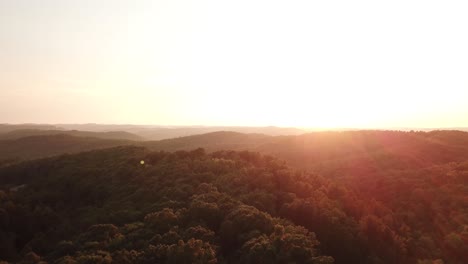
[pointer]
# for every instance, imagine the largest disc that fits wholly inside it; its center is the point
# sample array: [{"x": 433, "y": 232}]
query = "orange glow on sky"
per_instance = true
[{"x": 332, "y": 64}]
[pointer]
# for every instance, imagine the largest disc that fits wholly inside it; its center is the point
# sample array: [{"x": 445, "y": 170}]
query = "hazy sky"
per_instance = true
[{"x": 287, "y": 63}]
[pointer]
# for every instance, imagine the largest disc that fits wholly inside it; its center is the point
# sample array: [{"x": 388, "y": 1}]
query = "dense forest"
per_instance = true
[{"x": 351, "y": 197}]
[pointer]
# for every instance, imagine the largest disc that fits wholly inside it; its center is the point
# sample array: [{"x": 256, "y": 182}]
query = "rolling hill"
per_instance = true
[
  {"x": 17, "y": 134},
  {"x": 221, "y": 140},
  {"x": 167, "y": 132},
  {"x": 344, "y": 150},
  {"x": 332, "y": 153},
  {"x": 5, "y": 128},
  {"x": 33, "y": 147}
]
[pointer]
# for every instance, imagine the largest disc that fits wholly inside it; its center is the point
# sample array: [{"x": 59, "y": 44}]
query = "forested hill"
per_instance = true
[
  {"x": 221, "y": 140},
  {"x": 33, "y": 147},
  {"x": 107, "y": 206},
  {"x": 338, "y": 151},
  {"x": 333, "y": 153},
  {"x": 21, "y": 133},
  {"x": 5, "y": 128},
  {"x": 161, "y": 132}
]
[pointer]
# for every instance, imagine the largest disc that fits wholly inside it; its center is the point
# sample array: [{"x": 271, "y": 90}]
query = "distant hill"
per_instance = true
[
  {"x": 335, "y": 153},
  {"x": 5, "y": 128},
  {"x": 350, "y": 150},
  {"x": 214, "y": 141},
  {"x": 162, "y": 132},
  {"x": 167, "y": 133},
  {"x": 33, "y": 147},
  {"x": 16, "y": 134}
]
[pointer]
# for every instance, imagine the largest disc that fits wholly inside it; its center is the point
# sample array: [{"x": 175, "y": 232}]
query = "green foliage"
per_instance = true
[
  {"x": 239, "y": 207},
  {"x": 193, "y": 251},
  {"x": 244, "y": 223},
  {"x": 103, "y": 207},
  {"x": 163, "y": 220},
  {"x": 284, "y": 245}
]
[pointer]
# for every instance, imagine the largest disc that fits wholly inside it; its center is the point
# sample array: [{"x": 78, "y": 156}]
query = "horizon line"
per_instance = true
[{"x": 246, "y": 126}]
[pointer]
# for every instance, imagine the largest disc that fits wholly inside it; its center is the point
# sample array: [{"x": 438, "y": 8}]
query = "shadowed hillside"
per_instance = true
[
  {"x": 5, "y": 128},
  {"x": 45, "y": 146},
  {"x": 121, "y": 135},
  {"x": 333, "y": 153},
  {"x": 227, "y": 140}
]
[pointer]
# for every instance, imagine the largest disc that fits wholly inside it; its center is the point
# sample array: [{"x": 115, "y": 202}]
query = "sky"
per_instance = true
[{"x": 324, "y": 64}]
